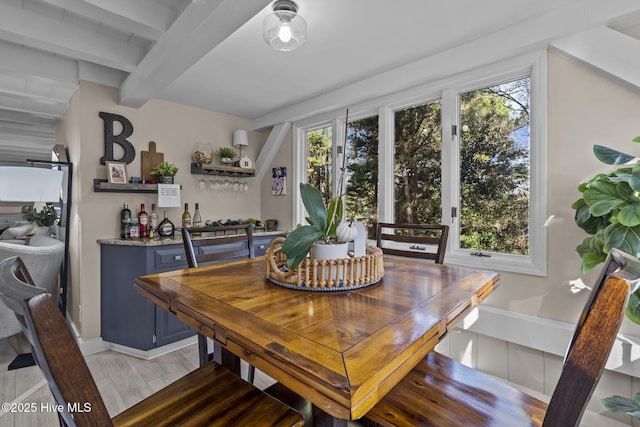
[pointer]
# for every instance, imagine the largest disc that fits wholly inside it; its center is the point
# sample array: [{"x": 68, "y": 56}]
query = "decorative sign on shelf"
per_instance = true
[
  {"x": 121, "y": 139},
  {"x": 245, "y": 163}
]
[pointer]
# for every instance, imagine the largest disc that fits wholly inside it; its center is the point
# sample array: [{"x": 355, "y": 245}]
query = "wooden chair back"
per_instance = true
[
  {"x": 59, "y": 357},
  {"x": 427, "y": 241},
  {"x": 593, "y": 339},
  {"x": 206, "y": 248},
  {"x": 210, "y": 395},
  {"x": 441, "y": 391}
]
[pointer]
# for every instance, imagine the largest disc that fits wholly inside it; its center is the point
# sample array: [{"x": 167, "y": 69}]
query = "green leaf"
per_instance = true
[
  {"x": 578, "y": 204},
  {"x": 591, "y": 260},
  {"x": 629, "y": 216},
  {"x": 634, "y": 182},
  {"x": 298, "y": 244},
  {"x": 620, "y": 404},
  {"x": 602, "y": 198},
  {"x": 589, "y": 223},
  {"x": 611, "y": 156},
  {"x": 627, "y": 239},
  {"x": 633, "y": 308},
  {"x": 636, "y": 139},
  {"x": 312, "y": 199},
  {"x": 335, "y": 214}
]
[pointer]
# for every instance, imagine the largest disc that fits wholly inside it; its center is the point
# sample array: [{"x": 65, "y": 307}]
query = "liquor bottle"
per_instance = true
[
  {"x": 143, "y": 221},
  {"x": 186, "y": 217},
  {"x": 166, "y": 227},
  {"x": 125, "y": 217},
  {"x": 197, "y": 220},
  {"x": 153, "y": 222}
]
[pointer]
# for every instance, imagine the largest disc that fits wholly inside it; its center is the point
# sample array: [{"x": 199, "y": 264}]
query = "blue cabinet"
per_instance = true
[{"x": 126, "y": 317}]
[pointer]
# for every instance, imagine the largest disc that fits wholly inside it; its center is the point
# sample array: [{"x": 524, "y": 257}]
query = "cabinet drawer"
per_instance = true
[{"x": 170, "y": 258}]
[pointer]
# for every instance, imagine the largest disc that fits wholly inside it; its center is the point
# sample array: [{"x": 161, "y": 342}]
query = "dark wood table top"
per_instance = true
[{"x": 342, "y": 351}]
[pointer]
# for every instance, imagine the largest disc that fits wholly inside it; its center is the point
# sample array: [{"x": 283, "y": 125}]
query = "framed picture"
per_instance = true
[
  {"x": 279, "y": 181},
  {"x": 117, "y": 172}
]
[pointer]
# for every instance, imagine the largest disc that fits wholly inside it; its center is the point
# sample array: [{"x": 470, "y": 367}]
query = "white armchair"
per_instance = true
[{"x": 43, "y": 257}]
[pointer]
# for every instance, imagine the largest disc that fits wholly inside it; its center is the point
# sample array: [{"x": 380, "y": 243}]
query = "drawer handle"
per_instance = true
[{"x": 177, "y": 257}]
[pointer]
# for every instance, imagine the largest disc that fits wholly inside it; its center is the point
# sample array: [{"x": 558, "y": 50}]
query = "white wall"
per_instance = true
[{"x": 175, "y": 129}]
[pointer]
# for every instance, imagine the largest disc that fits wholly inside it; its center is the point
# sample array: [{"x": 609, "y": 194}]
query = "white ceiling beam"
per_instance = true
[
  {"x": 606, "y": 50},
  {"x": 200, "y": 28},
  {"x": 23, "y": 61},
  {"x": 150, "y": 25},
  {"x": 22, "y": 118},
  {"x": 522, "y": 37},
  {"x": 270, "y": 148},
  {"x": 148, "y": 13},
  {"x": 38, "y": 31}
]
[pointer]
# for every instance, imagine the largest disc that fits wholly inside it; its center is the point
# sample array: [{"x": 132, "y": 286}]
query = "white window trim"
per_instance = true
[{"x": 535, "y": 65}]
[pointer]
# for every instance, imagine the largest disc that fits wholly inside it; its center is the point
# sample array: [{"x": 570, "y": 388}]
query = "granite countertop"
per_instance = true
[{"x": 177, "y": 239}]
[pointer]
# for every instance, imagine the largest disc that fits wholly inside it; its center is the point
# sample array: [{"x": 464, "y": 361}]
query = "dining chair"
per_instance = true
[
  {"x": 441, "y": 391},
  {"x": 205, "y": 245},
  {"x": 426, "y": 241},
  {"x": 210, "y": 395}
]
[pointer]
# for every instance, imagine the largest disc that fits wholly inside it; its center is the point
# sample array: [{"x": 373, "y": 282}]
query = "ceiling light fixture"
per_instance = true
[{"x": 284, "y": 29}]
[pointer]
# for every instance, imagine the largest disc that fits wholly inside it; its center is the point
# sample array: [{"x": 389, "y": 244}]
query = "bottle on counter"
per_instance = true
[
  {"x": 153, "y": 222},
  {"x": 143, "y": 221},
  {"x": 125, "y": 218},
  {"x": 197, "y": 220},
  {"x": 166, "y": 227},
  {"x": 186, "y": 217}
]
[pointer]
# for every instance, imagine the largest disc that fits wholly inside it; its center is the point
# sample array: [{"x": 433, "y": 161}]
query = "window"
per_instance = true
[
  {"x": 361, "y": 199},
  {"x": 417, "y": 165},
  {"x": 494, "y": 169},
  {"x": 468, "y": 152},
  {"x": 320, "y": 161}
]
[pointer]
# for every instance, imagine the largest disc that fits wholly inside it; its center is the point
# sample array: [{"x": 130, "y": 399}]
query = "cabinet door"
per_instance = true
[
  {"x": 127, "y": 318},
  {"x": 169, "y": 328}
]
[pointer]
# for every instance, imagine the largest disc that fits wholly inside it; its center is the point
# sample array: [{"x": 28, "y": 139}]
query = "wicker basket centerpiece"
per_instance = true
[{"x": 324, "y": 275}]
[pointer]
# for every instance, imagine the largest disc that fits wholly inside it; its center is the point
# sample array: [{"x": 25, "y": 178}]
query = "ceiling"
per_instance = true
[{"x": 210, "y": 53}]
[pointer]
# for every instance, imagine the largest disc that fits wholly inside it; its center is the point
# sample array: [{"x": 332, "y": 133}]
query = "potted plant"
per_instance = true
[
  {"x": 609, "y": 210},
  {"x": 164, "y": 172},
  {"x": 226, "y": 154},
  {"x": 43, "y": 220},
  {"x": 326, "y": 230}
]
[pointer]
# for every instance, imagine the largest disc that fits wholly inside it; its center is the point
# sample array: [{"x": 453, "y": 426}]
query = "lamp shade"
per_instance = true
[
  {"x": 30, "y": 184},
  {"x": 240, "y": 138},
  {"x": 284, "y": 29}
]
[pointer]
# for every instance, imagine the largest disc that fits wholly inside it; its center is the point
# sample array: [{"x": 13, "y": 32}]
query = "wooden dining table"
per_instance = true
[{"x": 341, "y": 350}]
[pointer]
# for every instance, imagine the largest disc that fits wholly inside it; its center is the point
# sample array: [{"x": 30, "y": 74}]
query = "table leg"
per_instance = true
[
  {"x": 226, "y": 358},
  {"x": 322, "y": 419}
]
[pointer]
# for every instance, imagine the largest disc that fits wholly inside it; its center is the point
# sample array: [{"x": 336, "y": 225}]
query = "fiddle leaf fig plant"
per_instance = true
[
  {"x": 323, "y": 223},
  {"x": 609, "y": 209}
]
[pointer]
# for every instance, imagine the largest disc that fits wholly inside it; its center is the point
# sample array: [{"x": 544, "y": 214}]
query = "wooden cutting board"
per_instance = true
[{"x": 150, "y": 159}]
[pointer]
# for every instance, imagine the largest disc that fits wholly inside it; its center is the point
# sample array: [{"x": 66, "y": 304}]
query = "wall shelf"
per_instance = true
[
  {"x": 222, "y": 170},
  {"x": 101, "y": 185}
]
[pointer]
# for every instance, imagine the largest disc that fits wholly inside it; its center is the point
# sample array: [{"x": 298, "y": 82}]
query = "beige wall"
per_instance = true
[
  {"x": 584, "y": 108},
  {"x": 175, "y": 129},
  {"x": 280, "y": 207}
]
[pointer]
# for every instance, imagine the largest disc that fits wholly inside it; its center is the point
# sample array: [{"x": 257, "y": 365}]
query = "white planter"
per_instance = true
[{"x": 322, "y": 251}]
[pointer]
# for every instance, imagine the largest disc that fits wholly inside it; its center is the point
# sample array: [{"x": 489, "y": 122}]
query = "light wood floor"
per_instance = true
[{"x": 122, "y": 380}]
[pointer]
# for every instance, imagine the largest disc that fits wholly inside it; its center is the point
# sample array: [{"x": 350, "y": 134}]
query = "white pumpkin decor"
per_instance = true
[{"x": 346, "y": 232}]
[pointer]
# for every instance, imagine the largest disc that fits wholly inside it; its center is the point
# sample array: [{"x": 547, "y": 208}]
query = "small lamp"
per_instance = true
[
  {"x": 284, "y": 29},
  {"x": 240, "y": 139}
]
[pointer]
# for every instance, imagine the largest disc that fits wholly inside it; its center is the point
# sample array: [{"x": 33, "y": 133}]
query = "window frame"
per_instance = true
[{"x": 447, "y": 90}]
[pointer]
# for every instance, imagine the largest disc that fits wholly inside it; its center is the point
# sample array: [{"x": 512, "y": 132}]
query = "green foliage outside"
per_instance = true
[
  {"x": 494, "y": 168},
  {"x": 494, "y": 164}
]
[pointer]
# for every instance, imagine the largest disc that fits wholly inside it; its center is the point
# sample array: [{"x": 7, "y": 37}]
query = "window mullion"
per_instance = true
[{"x": 450, "y": 166}]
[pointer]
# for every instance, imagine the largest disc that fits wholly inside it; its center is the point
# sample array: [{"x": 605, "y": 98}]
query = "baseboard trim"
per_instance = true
[
  {"x": 547, "y": 335},
  {"x": 96, "y": 345}
]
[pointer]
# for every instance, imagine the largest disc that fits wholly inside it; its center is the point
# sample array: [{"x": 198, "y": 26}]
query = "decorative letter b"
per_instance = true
[{"x": 121, "y": 139}]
